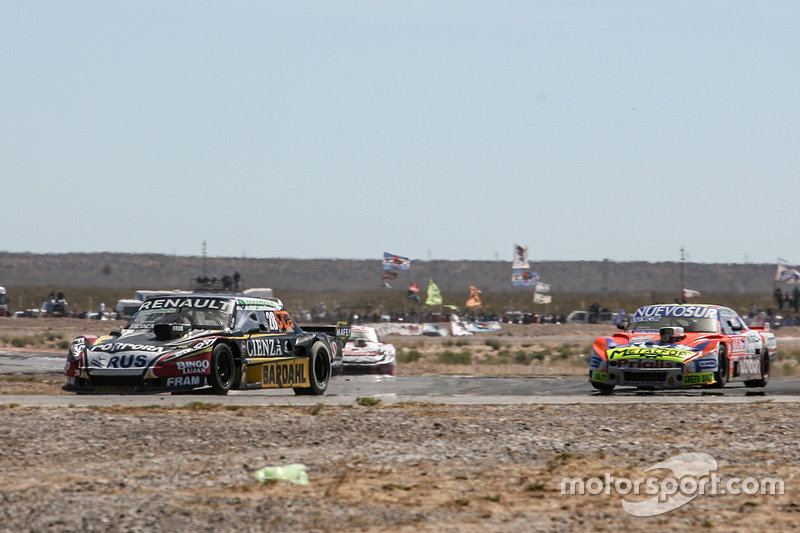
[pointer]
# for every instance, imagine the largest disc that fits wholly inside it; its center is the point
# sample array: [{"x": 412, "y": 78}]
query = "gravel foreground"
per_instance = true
[{"x": 405, "y": 467}]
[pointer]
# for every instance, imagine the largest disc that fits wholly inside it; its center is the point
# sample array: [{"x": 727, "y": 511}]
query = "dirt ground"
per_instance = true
[{"x": 407, "y": 467}]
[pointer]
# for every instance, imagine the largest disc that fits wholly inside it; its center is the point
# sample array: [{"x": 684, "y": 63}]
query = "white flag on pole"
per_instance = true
[
  {"x": 542, "y": 298},
  {"x": 520, "y": 257}
]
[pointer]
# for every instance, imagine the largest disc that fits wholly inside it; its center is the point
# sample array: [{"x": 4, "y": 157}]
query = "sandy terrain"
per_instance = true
[{"x": 406, "y": 468}]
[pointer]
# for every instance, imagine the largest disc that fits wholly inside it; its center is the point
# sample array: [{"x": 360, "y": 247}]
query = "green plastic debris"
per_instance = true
[{"x": 294, "y": 473}]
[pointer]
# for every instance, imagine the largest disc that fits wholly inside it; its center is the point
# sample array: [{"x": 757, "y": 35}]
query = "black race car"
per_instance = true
[{"x": 195, "y": 341}]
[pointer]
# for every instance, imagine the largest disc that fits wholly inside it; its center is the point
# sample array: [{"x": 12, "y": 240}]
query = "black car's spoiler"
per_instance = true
[{"x": 341, "y": 330}]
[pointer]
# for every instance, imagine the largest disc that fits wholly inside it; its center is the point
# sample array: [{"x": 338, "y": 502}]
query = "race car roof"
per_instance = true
[
  {"x": 257, "y": 304},
  {"x": 242, "y": 303}
]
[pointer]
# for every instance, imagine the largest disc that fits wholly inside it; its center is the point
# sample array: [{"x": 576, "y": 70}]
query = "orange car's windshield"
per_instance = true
[{"x": 689, "y": 325}]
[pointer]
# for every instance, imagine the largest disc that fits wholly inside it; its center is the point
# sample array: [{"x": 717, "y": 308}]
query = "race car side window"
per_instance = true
[
  {"x": 736, "y": 322},
  {"x": 248, "y": 320},
  {"x": 727, "y": 321}
]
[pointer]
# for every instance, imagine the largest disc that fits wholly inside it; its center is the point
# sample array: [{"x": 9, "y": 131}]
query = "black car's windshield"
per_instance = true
[
  {"x": 204, "y": 313},
  {"x": 692, "y": 318}
]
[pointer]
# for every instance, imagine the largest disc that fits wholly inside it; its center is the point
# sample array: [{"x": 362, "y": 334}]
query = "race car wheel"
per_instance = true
[
  {"x": 721, "y": 375},
  {"x": 223, "y": 369},
  {"x": 764, "y": 371},
  {"x": 319, "y": 371},
  {"x": 605, "y": 388}
]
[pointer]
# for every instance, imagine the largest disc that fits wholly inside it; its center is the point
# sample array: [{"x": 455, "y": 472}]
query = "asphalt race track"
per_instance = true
[{"x": 392, "y": 389}]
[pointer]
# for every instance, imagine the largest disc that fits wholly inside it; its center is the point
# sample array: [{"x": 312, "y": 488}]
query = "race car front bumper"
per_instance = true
[{"x": 661, "y": 378}]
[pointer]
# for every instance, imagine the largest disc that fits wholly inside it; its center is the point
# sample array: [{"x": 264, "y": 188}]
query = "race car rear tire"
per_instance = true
[
  {"x": 223, "y": 370},
  {"x": 723, "y": 367},
  {"x": 319, "y": 371},
  {"x": 762, "y": 382}
]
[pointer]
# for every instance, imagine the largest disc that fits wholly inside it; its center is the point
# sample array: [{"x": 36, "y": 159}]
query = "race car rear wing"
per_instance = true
[{"x": 341, "y": 330}]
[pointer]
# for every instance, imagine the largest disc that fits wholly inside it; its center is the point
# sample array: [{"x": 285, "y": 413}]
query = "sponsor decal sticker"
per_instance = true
[
  {"x": 128, "y": 347},
  {"x": 97, "y": 361},
  {"x": 639, "y": 352},
  {"x": 343, "y": 331},
  {"x": 600, "y": 377},
  {"x": 127, "y": 361},
  {"x": 647, "y": 363},
  {"x": 697, "y": 379},
  {"x": 750, "y": 366},
  {"x": 257, "y": 304},
  {"x": 196, "y": 347},
  {"x": 654, "y": 312},
  {"x": 185, "y": 381},
  {"x": 707, "y": 364},
  {"x": 195, "y": 366},
  {"x": 118, "y": 361},
  {"x": 269, "y": 347},
  {"x": 738, "y": 345},
  {"x": 196, "y": 303},
  {"x": 285, "y": 374}
]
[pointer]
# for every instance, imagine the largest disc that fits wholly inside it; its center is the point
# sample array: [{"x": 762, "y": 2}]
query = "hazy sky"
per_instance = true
[{"x": 429, "y": 129}]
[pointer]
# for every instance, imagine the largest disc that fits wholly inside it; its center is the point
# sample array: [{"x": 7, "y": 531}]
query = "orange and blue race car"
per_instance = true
[{"x": 682, "y": 345}]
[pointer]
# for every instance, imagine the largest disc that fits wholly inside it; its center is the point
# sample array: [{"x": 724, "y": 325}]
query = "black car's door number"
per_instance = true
[{"x": 272, "y": 322}]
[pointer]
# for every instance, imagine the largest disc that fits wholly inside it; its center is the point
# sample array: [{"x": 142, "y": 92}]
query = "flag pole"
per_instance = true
[{"x": 682, "y": 282}]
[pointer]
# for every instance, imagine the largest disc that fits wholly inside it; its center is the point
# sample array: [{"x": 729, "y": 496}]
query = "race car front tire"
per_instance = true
[
  {"x": 602, "y": 387},
  {"x": 723, "y": 367},
  {"x": 223, "y": 369},
  {"x": 319, "y": 371}
]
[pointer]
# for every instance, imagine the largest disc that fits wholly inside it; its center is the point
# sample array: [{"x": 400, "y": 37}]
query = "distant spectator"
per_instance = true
[
  {"x": 594, "y": 310},
  {"x": 237, "y": 278},
  {"x": 779, "y": 297}
]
